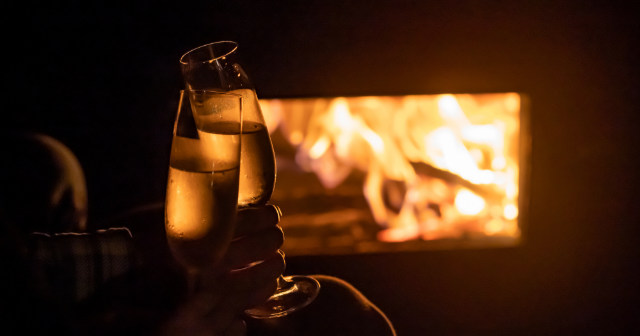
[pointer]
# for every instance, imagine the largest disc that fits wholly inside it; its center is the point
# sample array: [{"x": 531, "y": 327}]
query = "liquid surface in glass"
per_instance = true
[
  {"x": 202, "y": 194},
  {"x": 258, "y": 163}
]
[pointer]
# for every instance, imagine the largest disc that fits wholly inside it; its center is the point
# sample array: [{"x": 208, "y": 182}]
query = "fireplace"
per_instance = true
[
  {"x": 576, "y": 268},
  {"x": 400, "y": 173}
]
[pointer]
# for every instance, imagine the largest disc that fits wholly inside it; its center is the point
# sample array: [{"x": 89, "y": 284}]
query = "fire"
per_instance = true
[
  {"x": 468, "y": 203},
  {"x": 510, "y": 211},
  {"x": 437, "y": 166}
]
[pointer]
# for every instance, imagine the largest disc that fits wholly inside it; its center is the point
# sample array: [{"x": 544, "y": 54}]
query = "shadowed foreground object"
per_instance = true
[
  {"x": 44, "y": 188},
  {"x": 339, "y": 309}
]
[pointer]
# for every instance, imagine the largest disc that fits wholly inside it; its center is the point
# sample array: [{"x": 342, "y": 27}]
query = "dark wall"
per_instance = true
[{"x": 104, "y": 80}]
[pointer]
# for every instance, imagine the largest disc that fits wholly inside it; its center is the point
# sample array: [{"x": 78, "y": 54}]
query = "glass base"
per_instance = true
[{"x": 285, "y": 301}]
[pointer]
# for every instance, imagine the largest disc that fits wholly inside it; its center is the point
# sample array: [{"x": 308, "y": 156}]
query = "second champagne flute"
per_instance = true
[{"x": 202, "y": 188}]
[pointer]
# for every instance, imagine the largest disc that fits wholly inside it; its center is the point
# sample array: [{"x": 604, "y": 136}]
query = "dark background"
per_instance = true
[{"x": 104, "y": 79}]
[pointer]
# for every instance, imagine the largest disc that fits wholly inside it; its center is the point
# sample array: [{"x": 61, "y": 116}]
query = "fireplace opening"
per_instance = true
[{"x": 400, "y": 173}]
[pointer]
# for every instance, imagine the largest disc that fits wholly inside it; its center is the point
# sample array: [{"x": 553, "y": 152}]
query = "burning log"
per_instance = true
[{"x": 486, "y": 192}]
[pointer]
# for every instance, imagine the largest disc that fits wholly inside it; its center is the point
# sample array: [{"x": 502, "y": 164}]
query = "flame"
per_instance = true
[
  {"x": 468, "y": 203},
  {"x": 272, "y": 114},
  {"x": 449, "y": 153},
  {"x": 320, "y": 147},
  {"x": 493, "y": 226},
  {"x": 510, "y": 211},
  {"x": 471, "y": 137}
]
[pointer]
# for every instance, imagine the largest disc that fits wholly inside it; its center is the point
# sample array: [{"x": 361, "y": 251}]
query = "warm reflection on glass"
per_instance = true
[
  {"x": 215, "y": 67},
  {"x": 202, "y": 188}
]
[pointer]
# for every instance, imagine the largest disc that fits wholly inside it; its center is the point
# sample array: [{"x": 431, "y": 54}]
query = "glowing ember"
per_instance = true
[{"x": 438, "y": 166}]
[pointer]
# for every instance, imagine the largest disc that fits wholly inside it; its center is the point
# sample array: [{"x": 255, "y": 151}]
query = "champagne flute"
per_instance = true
[
  {"x": 204, "y": 171},
  {"x": 215, "y": 66}
]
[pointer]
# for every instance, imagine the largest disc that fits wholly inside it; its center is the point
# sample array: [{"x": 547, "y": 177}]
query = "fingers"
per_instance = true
[
  {"x": 224, "y": 295},
  {"x": 262, "y": 295},
  {"x": 214, "y": 309},
  {"x": 255, "y": 219},
  {"x": 252, "y": 248},
  {"x": 257, "y": 276},
  {"x": 246, "y": 284},
  {"x": 245, "y": 287}
]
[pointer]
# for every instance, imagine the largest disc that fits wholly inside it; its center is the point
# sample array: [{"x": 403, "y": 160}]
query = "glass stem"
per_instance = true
[
  {"x": 284, "y": 287},
  {"x": 283, "y": 284}
]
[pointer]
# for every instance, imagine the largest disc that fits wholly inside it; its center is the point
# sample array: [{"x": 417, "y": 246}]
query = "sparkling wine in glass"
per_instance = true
[
  {"x": 204, "y": 172},
  {"x": 216, "y": 67}
]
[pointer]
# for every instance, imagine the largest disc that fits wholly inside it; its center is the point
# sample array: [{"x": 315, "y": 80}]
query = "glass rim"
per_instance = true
[
  {"x": 235, "y": 44},
  {"x": 224, "y": 93}
]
